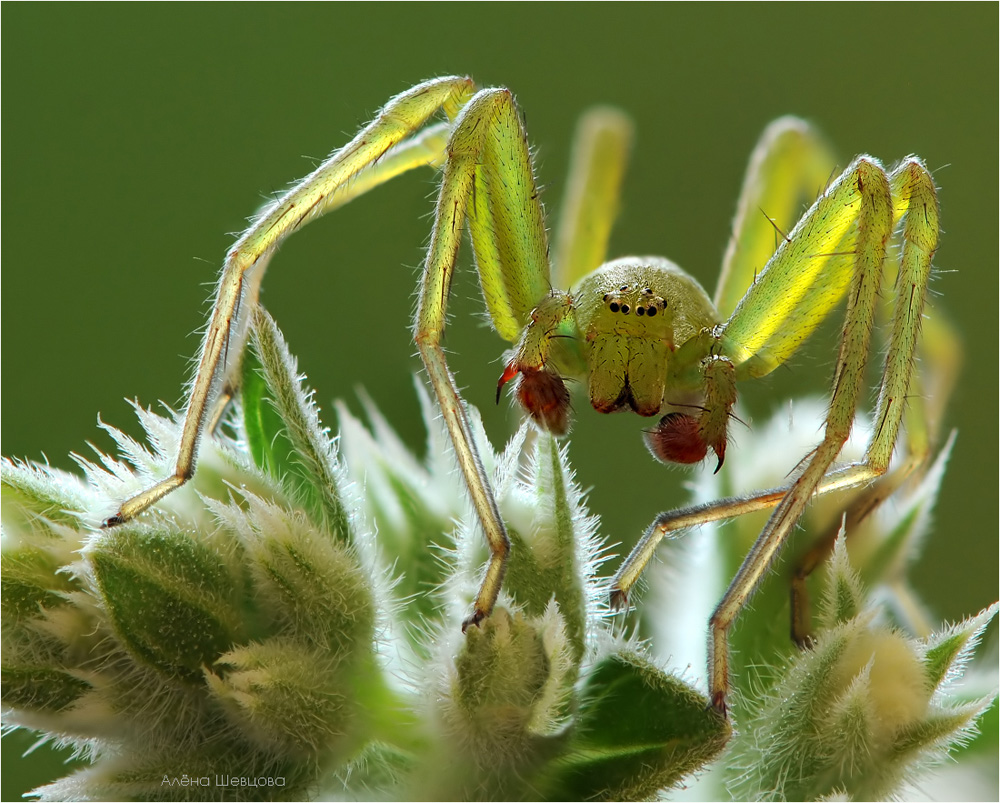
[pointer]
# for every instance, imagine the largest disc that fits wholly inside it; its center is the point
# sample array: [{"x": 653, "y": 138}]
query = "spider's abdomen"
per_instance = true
[{"x": 631, "y": 314}]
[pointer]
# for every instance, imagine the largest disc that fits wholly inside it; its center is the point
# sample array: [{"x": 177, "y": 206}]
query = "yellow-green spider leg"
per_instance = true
[
  {"x": 488, "y": 175},
  {"x": 789, "y": 168},
  {"x": 381, "y": 150},
  {"x": 789, "y": 164},
  {"x": 865, "y": 195},
  {"x": 601, "y": 147},
  {"x": 424, "y": 148},
  {"x": 939, "y": 354}
]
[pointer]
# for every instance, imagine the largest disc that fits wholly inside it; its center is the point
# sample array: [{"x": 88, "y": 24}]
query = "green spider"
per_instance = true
[{"x": 638, "y": 332}]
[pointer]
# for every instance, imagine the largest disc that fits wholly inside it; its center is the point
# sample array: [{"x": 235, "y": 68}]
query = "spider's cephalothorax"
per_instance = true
[{"x": 640, "y": 333}]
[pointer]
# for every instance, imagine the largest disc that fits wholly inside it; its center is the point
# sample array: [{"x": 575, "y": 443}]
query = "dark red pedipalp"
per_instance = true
[{"x": 542, "y": 393}]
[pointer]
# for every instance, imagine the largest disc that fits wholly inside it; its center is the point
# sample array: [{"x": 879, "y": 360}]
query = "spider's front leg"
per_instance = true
[
  {"x": 385, "y": 148},
  {"x": 487, "y": 177},
  {"x": 841, "y": 240}
]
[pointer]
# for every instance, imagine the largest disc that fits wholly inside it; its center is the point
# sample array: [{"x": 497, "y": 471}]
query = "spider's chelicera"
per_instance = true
[{"x": 638, "y": 333}]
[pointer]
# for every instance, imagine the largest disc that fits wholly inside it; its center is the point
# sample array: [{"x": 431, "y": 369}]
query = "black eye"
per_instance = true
[
  {"x": 623, "y": 288},
  {"x": 625, "y": 308},
  {"x": 647, "y": 292},
  {"x": 651, "y": 312},
  {"x": 640, "y": 310},
  {"x": 613, "y": 306}
]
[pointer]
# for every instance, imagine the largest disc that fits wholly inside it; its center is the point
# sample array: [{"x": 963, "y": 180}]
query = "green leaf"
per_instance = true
[
  {"x": 171, "y": 599},
  {"x": 639, "y": 730},
  {"x": 843, "y": 596},
  {"x": 543, "y": 560},
  {"x": 31, "y": 493},
  {"x": 287, "y": 696},
  {"x": 265, "y": 436},
  {"x": 40, "y": 688},
  {"x": 284, "y": 432},
  {"x": 31, "y": 581},
  {"x": 410, "y": 509},
  {"x": 940, "y": 727},
  {"x": 949, "y": 650},
  {"x": 305, "y": 583}
]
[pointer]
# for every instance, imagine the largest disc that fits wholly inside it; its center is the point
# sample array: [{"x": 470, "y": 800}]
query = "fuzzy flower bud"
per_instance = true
[{"x": 860, "y": 710}]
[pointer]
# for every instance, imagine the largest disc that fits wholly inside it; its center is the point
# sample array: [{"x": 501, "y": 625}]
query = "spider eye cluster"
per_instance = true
[{"x": 642, "y": 302}]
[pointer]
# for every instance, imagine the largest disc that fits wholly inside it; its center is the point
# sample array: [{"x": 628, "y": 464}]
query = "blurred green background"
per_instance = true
[{"x": 140, "y": 137}]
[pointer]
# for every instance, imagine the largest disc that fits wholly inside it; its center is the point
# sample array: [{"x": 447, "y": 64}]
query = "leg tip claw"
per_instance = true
[
  {"x": 474, "y": 620},
  {"x": 718, "y": 704}
]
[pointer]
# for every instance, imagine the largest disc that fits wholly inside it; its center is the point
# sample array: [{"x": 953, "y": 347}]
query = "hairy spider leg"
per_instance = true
[
  {"x": 379, "y": 152},
  {"x": 487, "y": 179},
  {"x": 792, "y": 163},
  {"x": 789, "y": 168},
  {"x": 925, "y": 395},
  {"x": 601, "y": 148},
  {"x": 865, "y": 192}
]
